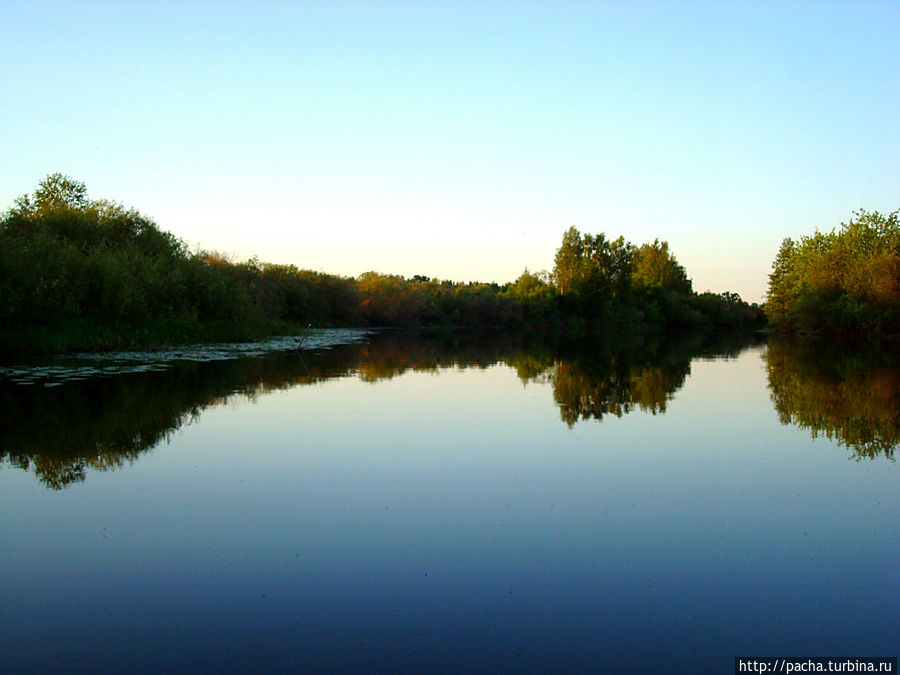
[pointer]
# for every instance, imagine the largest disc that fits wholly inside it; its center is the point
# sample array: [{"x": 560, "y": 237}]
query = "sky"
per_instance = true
[{"x": 460, "y": 140}]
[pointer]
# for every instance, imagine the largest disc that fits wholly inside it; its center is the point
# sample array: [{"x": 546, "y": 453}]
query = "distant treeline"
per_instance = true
[
  {"x": 841, "y": 284},
  {"x": 78, "y": 273}
]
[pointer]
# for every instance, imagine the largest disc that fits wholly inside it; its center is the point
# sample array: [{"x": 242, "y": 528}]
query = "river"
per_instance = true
[{"x": 447, "y": 502}]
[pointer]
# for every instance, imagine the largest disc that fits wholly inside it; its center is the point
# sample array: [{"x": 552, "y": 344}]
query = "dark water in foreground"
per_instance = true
[{"x": 447, "y": 503}]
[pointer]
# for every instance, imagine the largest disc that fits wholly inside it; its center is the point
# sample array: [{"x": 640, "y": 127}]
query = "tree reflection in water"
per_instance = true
[
  {"x": 590, "y": 389},
  {"x": 615, "y": 378},
  {"x": 849, "y": 396},
  {"x": 101, "y": 423},
  {"x": 61, "y": 433}
]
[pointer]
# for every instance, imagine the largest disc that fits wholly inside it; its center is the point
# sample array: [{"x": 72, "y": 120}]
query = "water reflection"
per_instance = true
[
  {"x": 603, "y": 384},
  {"x": 101, "y": 423},
  {"x": 852, "y": 398},
  {"x": 612, "y": 378}
]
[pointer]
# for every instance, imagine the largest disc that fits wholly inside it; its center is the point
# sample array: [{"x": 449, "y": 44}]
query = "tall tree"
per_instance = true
[
  {"x": 654, "y": 266},
  {"x": 593, "y": 268},
  {"x": 568, "y": 267}
]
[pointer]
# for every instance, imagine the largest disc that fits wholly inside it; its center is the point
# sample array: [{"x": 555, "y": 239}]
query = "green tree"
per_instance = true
[
  {"x": 781, "y": 295},
  {"x": 536, "y": 295},
  {"x": 843, "y": 282},
  {"x": 654, "y": 266},
  {"x": 54, "y": 193},
  {"x": 568, "y": 268},
  {"x": 593, "y": 269}
]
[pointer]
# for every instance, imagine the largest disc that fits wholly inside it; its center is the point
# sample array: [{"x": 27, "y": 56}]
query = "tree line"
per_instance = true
[
  {"x": 844, "y": 283},
  {"x": 76, "y": 273},
  {"x": 617, "y": 285}
]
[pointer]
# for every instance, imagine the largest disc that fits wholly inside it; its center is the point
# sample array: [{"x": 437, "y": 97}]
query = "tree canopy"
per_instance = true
[
  {"x": 845, "y": 282},
  {"x": 654, "y": 266}
]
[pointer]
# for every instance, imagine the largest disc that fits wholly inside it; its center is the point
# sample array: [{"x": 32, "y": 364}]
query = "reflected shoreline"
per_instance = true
[
  {"x": 852, "y": 398},
  {"x": 62, "y": 433}
]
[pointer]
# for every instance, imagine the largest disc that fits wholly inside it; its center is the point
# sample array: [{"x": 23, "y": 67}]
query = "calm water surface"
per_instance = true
[{"x": 447, "y": 503}]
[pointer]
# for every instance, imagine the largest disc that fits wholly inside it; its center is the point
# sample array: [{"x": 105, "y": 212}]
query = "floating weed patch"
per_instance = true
[{"x": 83, "y": 365}]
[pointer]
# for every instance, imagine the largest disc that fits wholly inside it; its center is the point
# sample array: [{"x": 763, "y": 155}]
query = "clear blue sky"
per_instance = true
[{"x": 460, "y": 140}]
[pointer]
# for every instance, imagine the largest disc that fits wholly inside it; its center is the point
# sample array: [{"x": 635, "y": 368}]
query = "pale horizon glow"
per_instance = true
[{"x": 461, "y": 141}]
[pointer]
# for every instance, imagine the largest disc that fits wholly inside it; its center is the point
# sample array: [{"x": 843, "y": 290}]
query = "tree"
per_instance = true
[
  {"x": 593, "y": 269},
  {"x": 653, "y": 266},
  {"x": 567, "y": 269},
  {"x": 535, "y": 294},
  {"x": 840, "y": 283},
  {"x": 55, "y": 192},
  {"x": 780, "y": 296}
]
